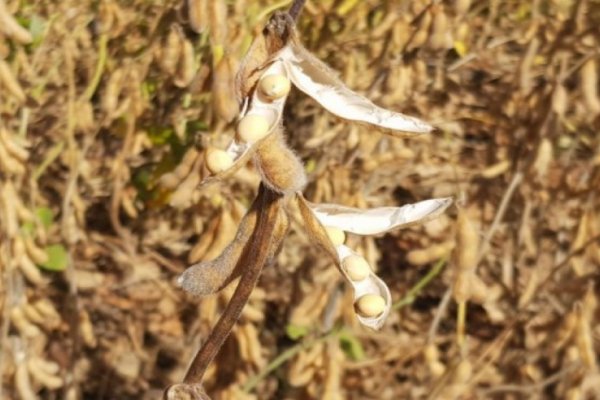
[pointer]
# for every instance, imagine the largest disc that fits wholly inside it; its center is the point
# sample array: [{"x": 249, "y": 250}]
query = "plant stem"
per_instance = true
[
  {"x": 100, "y": 64},
  {"x": 412, "y": 294},
  {"x": 296, "y": 9},
  {"x": 255, "y": 256},
  {"x": 283, "y": 357}
]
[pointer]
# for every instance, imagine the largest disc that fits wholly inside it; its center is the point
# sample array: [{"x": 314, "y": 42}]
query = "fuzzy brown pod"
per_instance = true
[
  {"x": 209, "y": 277},
  {"x": 280, "y": 168}
]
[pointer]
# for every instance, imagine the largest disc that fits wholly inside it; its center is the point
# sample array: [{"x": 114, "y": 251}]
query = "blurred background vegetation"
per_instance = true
[{"x": 106, "y": 108}]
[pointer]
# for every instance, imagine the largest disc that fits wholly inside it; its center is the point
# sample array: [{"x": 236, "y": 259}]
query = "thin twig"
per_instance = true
[
  {"x": 283, "y": 357},
  {"x": 100, "y": 65},
  {"x": 534, "y": 387},
  {"x": 255, "y": 256},
  {"x": 517, "y": 178},
  {"x": 412, "y": 294},
  {"x": 296, "y": 9},
  {"x": 439, "y": 313}
]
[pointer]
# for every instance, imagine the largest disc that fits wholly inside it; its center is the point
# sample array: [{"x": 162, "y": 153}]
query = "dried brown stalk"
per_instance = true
[{"x": 267, "y": 236}]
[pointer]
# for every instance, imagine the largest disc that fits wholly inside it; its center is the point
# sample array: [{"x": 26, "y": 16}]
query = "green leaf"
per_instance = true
[
  {"x": 57, "y": 258},
  {"x": 295, "y": 332},
  {"x": 160, "y": 135},
  {"x": 37, "y": 28},
  {"x": 351, "y": 346},
  {"x": 45, "y": 216}
]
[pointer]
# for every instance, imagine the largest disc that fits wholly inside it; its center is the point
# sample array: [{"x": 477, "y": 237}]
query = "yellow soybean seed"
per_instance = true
[
  {"x": 252, "y": 128},
  {"x": 218, "y": 160},
  {"x": 274, "y": 86},
  {"x": 370, "y": 305},
  {"x": 356, "y": 267},
  {"x": 336, "y": 235}
]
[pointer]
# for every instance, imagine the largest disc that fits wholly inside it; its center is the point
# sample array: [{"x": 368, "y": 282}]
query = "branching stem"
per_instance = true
[
  {"x": 296, "y": 9},
  {"x": 254, "y": 258}
]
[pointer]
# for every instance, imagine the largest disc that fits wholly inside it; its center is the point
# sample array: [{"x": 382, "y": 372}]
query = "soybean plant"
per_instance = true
[{"x": 275, "y": 62}]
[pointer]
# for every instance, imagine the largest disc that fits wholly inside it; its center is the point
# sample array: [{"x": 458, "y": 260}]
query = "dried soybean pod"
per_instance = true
[
  {"x": 223, "y": 89},
  {"x": 467, "y": 244},
  {"x": 589, "y": 85},
  {"x": 13, "y": 147},
  {"x": 36, "y": 253},
  {"x": 198, "y": 15},
  {"x": 224, "y": 234},
  {"x": 171, "y": 51},
  {"x": 110, "y": 97},
  {"x": 211, "y": 276},
  {"x": 11, "y": 28},
  {"x": 439, "y": 38},
  {"x": 9, "y": 82},
  {"x": 186, "y": 67},
  {"x": 218, "y": 20},
  {"x": 279, "y": 167},
  {"x": 560, "y": 100}
]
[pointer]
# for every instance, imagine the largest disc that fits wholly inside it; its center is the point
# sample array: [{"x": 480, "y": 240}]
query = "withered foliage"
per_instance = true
[{"x": 109, "y": 111}]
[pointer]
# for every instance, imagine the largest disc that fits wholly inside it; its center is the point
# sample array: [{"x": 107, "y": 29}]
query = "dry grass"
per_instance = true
[{"x": 106, "y": 109}]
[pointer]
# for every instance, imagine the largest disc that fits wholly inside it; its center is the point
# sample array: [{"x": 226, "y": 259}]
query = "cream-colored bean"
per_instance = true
[
  {"x": 336, "y": 235},
  {"x": 370, "y": 305},
  {"x": 252, "y": 128},
  {"x": 274, "y": 86},
  {"x": 356, "y": 267},
  {"x": 218, "y": 160}
]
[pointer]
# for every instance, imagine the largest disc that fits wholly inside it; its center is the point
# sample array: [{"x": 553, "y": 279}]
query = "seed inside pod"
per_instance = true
[
  {"x": 252, "y": 128},
  {"x": 274, "y": 86},
  {"x": 336, "y": 235},
  {"x": 218, "y": 160},
  {"x": 356, "y": 267},
  {"x": 370, "y": 305}
]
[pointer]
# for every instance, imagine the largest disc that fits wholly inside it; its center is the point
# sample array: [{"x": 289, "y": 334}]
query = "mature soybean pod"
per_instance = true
[
  {"x": 211, "y": 276},
  {"x": 280, "y": 168}
]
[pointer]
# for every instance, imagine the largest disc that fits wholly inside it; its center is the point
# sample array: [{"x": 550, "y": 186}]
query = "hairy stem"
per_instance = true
[
  {"x": 254, "y": 258},
  {"x": 296, "y": 9}
]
